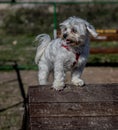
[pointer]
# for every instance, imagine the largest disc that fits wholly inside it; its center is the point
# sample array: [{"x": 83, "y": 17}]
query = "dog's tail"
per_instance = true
[{"x": 43, "y": 41}]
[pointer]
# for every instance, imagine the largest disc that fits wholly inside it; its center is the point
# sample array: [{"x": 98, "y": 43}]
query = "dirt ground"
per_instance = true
[
  {"x": 91, "y": 75},
  {"x": 11, "y": 114}
]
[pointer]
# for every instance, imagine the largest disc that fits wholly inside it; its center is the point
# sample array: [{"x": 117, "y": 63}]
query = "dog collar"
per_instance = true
[
  {"x": 76, "y": 55},
  {"x": 77, "y": 58},
  {"x": 65, "y": 46}
]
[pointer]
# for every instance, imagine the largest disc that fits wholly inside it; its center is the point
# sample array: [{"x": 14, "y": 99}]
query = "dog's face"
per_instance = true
[
  {"x": 74, "y": 34},
  {"x": 75, "y": 30}
]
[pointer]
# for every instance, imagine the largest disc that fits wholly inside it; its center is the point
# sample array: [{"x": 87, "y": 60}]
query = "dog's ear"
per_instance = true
[
  {"x": 92, "y": 30},
  {"x": 63, "y": 25}
]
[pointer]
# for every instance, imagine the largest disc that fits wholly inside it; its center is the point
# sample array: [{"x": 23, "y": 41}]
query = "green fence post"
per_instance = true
[{"x": 55, "y": 21}]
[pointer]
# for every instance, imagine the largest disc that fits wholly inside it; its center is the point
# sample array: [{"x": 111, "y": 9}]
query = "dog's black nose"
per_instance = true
[{"x": 65, "y": 35}]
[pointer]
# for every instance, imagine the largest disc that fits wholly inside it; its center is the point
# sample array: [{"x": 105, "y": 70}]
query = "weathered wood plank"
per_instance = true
[
  {"x": 89, "y": 93},
  {"x": 105, "y": 37},
  {"x": 93, "y": 107},
  {"x": 75, "y": 123},
  {"x": 74, "y": 109},
  {"x": 104, "y": 50}
]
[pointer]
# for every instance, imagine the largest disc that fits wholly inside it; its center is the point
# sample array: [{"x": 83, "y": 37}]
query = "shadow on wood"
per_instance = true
[{"x": 90, "y": 107}]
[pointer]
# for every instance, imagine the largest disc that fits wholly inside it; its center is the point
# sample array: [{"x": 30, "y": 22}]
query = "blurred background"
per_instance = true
[{"x": 22, "y": 20}]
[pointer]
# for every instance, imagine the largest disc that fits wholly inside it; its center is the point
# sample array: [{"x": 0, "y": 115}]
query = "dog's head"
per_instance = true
[{"x": 75, "y": 30}]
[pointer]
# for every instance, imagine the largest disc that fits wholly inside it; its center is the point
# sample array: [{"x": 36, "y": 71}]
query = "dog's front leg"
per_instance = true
[
  {"x": 76, "y": 80},
  {"x": 77, "y": 72},
  {"x": 59, "y": 75}
]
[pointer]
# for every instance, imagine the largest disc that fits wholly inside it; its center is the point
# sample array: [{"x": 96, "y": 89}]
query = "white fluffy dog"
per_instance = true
[{"x": 69, "y": 52}]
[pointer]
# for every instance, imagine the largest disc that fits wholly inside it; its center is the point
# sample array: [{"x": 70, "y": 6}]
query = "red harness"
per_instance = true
[{"x": 76, "y": 55}]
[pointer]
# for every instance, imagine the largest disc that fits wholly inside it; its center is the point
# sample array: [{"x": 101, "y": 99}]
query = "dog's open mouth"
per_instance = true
[{"x": 71, "y": 42}]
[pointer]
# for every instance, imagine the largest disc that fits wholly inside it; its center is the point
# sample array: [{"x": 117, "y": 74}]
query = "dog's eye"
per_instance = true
[
  {"x": 74, "y": 30},
  {"x": 65, "y": 29}
]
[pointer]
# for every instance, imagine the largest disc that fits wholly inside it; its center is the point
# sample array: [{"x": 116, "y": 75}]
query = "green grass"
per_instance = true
[
  {"x": 22, "y": 49},
  {"x": 19, "y": 48},
  {"x": 103, "y": 58},
  {"x": 104, "y": 44}
]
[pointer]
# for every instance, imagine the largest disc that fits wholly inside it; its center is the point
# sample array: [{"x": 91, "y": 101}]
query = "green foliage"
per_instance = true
[
  {"x": 30, "y": 21},
  {"x": 103, "y": 58},
  {"x": 100, "y": 15},
  {"x": 39, "y": 19}
]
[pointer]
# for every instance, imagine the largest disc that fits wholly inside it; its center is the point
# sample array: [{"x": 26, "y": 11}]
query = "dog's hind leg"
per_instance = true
[
  {"x": 43, "y": 73},
  {"x": 59, "y": 75}
]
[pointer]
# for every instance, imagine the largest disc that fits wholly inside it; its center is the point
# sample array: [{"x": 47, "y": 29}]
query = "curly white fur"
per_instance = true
[{"x": 59, "y": 54}]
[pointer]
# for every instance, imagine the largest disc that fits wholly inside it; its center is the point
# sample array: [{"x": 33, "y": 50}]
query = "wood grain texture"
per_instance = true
[
  {"x": 89, "y": 93},
  {"x": 93, "y": 107},
  {"x": 75, "y": 123}
]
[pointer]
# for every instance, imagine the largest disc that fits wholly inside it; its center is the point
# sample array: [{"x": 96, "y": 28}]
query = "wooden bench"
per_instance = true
[
  {"x": 93, "y": 107},
  {"x": 105, "y": 35}
]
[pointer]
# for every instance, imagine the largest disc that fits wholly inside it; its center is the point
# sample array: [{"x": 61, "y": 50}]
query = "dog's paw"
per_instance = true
[
  {"x": 57, "y": 85},
  {"x": 78, "y": 82}
]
